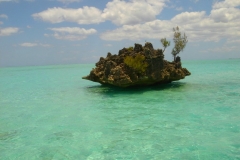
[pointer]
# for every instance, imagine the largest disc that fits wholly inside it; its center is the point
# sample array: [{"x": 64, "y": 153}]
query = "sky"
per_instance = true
[{"x": 56, "y": 32}]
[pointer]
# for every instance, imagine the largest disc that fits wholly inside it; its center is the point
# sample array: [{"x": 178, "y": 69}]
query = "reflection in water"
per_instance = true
[{"x": 111, "y": 90}]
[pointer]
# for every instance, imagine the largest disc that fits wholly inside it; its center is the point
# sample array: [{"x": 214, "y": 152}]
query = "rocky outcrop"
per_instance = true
[{"x": 138, "y": 66}]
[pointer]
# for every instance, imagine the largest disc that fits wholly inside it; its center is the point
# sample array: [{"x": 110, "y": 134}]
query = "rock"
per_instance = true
[{"x": 138, "y": 66}]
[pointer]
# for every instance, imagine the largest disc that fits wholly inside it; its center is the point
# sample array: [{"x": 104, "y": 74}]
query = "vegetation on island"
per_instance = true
[
  {"x": 180, "y": 40},
  {"x": 130, "y": 49},
  {"x": 165, "y": 43},
  {"x": 137, "y": 63}
]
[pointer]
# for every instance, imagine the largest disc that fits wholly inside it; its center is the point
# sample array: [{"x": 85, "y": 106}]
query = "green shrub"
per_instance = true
[
  {"x": 130, "y": 49},
  {"x": 137, "y": 63}
]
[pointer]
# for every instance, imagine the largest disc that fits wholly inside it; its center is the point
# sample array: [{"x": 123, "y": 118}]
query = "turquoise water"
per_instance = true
[{"x": 51, "y": 113}]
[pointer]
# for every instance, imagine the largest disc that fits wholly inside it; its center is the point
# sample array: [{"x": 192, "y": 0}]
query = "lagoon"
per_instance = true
[{"x": 49, "y": 112}]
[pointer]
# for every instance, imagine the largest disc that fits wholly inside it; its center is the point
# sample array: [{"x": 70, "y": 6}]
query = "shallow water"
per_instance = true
[{"x": 51, "y": 113}]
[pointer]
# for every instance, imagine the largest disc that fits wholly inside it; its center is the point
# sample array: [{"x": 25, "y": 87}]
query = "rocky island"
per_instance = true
[
  {"x": 137, "y": 66},
  {"x": 141, "y": 65}
]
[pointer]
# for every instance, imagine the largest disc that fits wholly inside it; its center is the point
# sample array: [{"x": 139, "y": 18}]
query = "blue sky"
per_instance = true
[{"x": 48, "y": 32}]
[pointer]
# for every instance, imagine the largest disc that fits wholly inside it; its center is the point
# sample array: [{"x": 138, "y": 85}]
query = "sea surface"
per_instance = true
[{"x": 50, "y": 113}]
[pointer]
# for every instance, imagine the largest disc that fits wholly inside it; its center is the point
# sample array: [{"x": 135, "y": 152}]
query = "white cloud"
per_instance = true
[
  {"x": 3, "y": 16},
  {"x": 5, "y": 1},
  {"x": 188, "y": 17},
  {"x": 232, "y": 41},
  {"x": 195, "y": 1},
  {"x": 16, "y": 1},
  {"x": 85, "y": 15},
  {"x": 198, "y": 26},
  {"x": 118, "y": 11},
  {"x": 68, "y": 1},
  {"x": 151, "y": 30},
  {"x": 44, "y": 45},
  {"x": 226, "y": 48},
  {"x": 74, "y": 30},
  {"x": 179, "y": 8},
  {"x": 12, "y": 1},
  {"x": 226, "y": 4},
  {"x": 108, "y": 45},
  {"x": 27, "y": 44},
  {"x": 8, "y": 31},
  {"x": 71, "y": 33},
  {"x": 132, "y": 12},
  {"x": 225, "y": 14}
]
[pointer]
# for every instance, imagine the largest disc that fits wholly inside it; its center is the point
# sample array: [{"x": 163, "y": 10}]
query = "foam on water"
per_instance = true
[{"x": 51, "y": 113}]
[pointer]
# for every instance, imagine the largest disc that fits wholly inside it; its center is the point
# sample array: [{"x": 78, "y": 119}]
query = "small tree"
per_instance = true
[
  {"x": 180, "y": 42},
  {"x": 165, "y": 43}
]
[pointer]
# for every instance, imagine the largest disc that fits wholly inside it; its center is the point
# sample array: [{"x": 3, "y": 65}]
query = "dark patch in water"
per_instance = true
[{"x": 7, "y": 135}]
